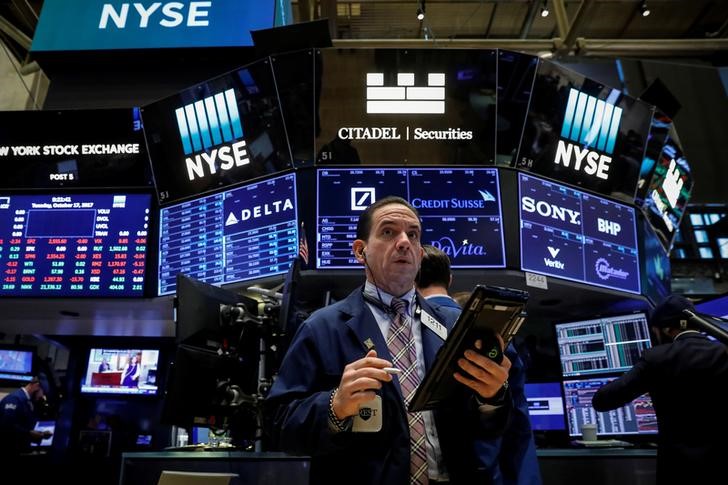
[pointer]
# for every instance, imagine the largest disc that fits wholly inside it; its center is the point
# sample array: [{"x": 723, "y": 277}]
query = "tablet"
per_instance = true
[{"x": 490, "y": 310}]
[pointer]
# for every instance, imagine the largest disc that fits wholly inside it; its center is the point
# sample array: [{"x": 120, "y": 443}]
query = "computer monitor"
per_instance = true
[
  {"x": 636, "y": 418},
  {"x": 602, "y": 345},
  {"x": 121, "y": 371},
  {"x": 16, "y": 364},
  {"x": 545, "y": 406}
]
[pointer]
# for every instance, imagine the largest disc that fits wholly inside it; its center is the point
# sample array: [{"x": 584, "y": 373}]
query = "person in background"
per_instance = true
[
  {"x": 19, "y": 415},
  {"x": 104, "y": 365},
  {"x": 687, "y": 379},
  {"x": 130, "y": 376},
  {"x": 335, "y": 365},
  {"x": 511, "y": 458}
]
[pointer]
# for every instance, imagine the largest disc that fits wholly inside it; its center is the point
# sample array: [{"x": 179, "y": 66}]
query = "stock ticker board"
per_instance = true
[
  {"x": 73, "y": 245},
  {"x": 241, "y": 234}
]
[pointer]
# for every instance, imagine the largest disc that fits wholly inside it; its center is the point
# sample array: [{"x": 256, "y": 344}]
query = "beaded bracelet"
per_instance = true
[{"x": 339, "y": 424}]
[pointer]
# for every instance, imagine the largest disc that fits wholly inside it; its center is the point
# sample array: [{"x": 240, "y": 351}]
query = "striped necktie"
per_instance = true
[{"x": 401, "y": 345}]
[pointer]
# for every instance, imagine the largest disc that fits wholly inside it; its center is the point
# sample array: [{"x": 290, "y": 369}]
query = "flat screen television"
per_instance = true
[
  {"x": 460, "y": 210},
  {"x": 127, "y": 371},
  {"x": 245, "y": 233},
  {"x": 636, "y": 418},
  {"x": 545, "y": 406},
  {"x": 570, "y": 234},
  {"x": 16, "y": 364},
  {"x": 602, "y": 345},
  {"x": 74, "y": 245}
]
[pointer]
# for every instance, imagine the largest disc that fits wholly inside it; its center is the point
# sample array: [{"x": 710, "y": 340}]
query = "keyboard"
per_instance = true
[{"x": 603, "y": 443}]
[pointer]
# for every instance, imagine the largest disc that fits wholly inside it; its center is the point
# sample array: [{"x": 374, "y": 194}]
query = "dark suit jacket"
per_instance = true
[
  {"x": 299, "y": 402},
  {"x": 17, "y": 419},
  {"x": 688, "y": 383}
]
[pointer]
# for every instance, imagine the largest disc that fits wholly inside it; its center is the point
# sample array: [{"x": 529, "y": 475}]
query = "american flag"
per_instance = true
[{"x": 303, "y": 245}]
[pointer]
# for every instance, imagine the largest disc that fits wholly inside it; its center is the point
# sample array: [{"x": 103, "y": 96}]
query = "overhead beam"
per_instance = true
[
  {"x": 530, "y": 17},
  {"x": 562, "y": 20},
  {"x": 14, "y": 33},
  {"x": 579, "y": 19}
]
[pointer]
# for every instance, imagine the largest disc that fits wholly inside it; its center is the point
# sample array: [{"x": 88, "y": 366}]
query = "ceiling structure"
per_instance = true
[{"x": 693, "y": 28}]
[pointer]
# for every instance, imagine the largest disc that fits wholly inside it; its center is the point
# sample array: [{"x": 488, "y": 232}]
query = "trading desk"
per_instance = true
[
  {"x": 600, "y": 466},
  {"x": 145, "y": 468}
]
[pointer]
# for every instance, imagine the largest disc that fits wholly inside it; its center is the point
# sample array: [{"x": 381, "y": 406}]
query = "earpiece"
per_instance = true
[{"x": 364, "y": 254}]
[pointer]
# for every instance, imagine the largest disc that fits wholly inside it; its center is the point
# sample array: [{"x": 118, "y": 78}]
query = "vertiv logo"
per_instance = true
[
  {"x": 405, "y": 97},
  {"x": 208, "y": 123},
  {"x": 592, "y": 125}
]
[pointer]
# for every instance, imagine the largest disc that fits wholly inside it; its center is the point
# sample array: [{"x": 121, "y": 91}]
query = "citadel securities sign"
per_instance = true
[
  {"x": 75, "y": 25},
  {"x": 423, "y": 106},
  {"x": 584, "y": 133}
]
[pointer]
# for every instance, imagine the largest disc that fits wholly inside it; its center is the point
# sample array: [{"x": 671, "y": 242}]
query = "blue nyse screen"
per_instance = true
[
  {"x": 569, "y": 234},
  {"x": 73, "y": 245},
  {"x": 245, "y": 233},
  {"x": 460, "y": 211}
]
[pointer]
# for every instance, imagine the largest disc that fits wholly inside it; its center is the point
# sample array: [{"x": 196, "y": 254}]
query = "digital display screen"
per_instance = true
[
  {"x": 717, "y": 307},
  {"x": 545, "y": 406},
  {"x": 459, "y": 208},
  {"x": 16, "y": 364},
  {"x": 73, "y": 245},
  {"x": 404, "y": 106},
  {"x": 216, "y": 134},
  {"x": 668, "y": 194},
  {"x": 637, "y": 417},
  {"x": 584, "y": 133},
  {"x": 656, "y": 269},
  {"x": 241, "y": 234},
  {"x": 121, "y": 371},
  {"x": 609, "y": 344},
  {"x": 580, "y": 237}
]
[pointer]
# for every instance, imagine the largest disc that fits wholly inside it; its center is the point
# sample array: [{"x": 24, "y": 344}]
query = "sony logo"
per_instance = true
[
  {"x": 171, "y": 14},
  {"x": 544, "y": 209}
]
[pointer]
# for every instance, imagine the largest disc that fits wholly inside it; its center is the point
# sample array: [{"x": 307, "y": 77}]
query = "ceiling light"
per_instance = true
[
  {"x": 421, "y": 11},
  {"x": 644, "y": 10},
  {"x": 544, "y": 9}
]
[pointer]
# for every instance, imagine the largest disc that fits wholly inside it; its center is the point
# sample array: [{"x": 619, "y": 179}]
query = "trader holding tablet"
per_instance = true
[{"x": 334, "y": 400}]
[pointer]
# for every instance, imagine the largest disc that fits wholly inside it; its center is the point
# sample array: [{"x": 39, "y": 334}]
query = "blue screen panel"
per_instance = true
[
  {"x": 545, "y": 406},
  {"x": 73, "y": 245},
  {"x": 467, "y": 227},
  {"x": 637, "y": 417},
  {"x": 241, "y": 234},
  {"x": 717, "y": 307},
  {"x": 573, "y": 235}
]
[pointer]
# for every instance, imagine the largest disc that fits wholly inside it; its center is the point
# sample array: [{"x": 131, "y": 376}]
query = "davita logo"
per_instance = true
[
  {"x": 589, "y": 123},
  {"x": 605, "y": 271},
  {"x": 212, "y": 122}
]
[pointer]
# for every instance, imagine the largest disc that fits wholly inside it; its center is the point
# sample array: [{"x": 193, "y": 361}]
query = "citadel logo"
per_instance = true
[
  {"x": 605, "y": 271},
  {"x": 405, "y": 98},
  {"x": 259, "y": 211},
  {"x": 212, "y": 126},
  {"x": 589, "y": 122}
]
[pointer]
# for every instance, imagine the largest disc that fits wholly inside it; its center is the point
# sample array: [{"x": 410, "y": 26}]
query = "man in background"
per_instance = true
[
  {"x": 510, "y": 459},
  {"x": 19, "y": 415},
  {"x": 687, "y": 378}
]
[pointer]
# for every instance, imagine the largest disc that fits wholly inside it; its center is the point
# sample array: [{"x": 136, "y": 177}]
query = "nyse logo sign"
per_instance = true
[
  {"x": 170, "y": 14},
  {"x": 362, "y": 197},
  {"x": 405, "y": 97},
  {"x": 212, "y": 127},
  {"x": 588, "y": 123}
]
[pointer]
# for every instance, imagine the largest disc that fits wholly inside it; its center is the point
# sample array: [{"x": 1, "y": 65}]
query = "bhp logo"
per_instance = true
[
  {"x": 209, "y": 122},
  {"x": 405, "y": 97},
  {"x": 590, "y": 121}
]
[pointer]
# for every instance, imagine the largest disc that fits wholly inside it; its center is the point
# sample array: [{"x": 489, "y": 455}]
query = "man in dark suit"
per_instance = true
[
  {"x": 18, "y": 416},
  {"x": 333, "y": 400},
  {"x": 687, "y": 378}
]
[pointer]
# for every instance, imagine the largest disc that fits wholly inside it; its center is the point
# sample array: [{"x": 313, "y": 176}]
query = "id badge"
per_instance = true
[{"x": 369, "y": 419}]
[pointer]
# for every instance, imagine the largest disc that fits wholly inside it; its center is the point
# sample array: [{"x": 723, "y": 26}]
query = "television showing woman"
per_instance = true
[{"x": 130, "y": 376}]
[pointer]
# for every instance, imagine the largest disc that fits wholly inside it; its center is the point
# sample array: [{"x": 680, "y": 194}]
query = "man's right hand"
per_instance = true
[{"x": 358, "y": 384}]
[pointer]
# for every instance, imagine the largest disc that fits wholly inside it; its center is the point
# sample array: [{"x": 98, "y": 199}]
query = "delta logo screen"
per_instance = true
[
  {"x": 459, "y": 210},
  {"x": 577, "y": 236}
]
